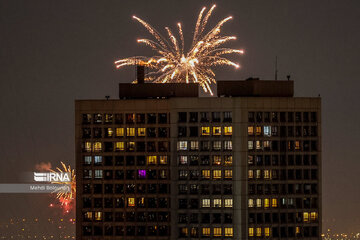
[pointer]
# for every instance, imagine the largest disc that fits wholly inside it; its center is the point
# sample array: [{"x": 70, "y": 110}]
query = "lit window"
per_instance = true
[
  {"x": 267, "y": 232},
  {"x": 267, "y": 174},
  {"x": 87, "y": 146},
  {"x": 267, "y": 131},
  {"x": 97, "y": 160},
  {"x": 119, "y": 146},
  {"x": 109, "y": 132},
  {"x": 184, "y": 231},
  {"x": 313, "y": 216},
  {"x": 297, "y": 145},
  {"x": 258, "y": 232},
  {"x": 251, "y": 160},
  {"x": 98, "y": 216},
  {"x": 88, "y": 216},
  {"x": 258, "y": 174},
  {"x": 228, "y": 174},
  {"x": 250, "y": 130},
  {"x": 216, "y": 160},
  {"x": 251, "y": 203},
  {"x": 141, "y": 132},
  {"x": 306, "y": 217},
  {"x": 87, "y": 160},
  {"x": 216, "y": 174},
  {"x": 227, "y": 145},
  {"x": 119, "y": 132},
  {"x": 216, "y": 145},
  {"x": 194, "y": 145},
  {"x": 205, "y": 131},
  {"x": 183, "y": 160},
  {"x": 251, "y": 174},
  {"x": 217, "y": 232},
  {"x": 87, "y": 173},
  {"x": 228, "y": 202},
  {"x": 297, "y": 230},
  {"x": 205, "y": 202},
  {"x": 266, "y": 203},
  {"x": 205, "y": 174},
  {"x": 229, "y": 232},
  {"x": 227, "y": 160},
  {"x": 267, "y": 145},
  {"x": 258, "y": 131},
  {"x": 141, "y": 174},
  {"x": 130, "y": 146},
  {"x": 97, "y": 146},
  {"x": 182, "y": 145},
  {"x": 131, "y": 202},
  {"x": 151, "y": 160},
  {"x": 258, "y": 202},
  {"x": 228, "y": 131},
  {"x": 206, "y": 232},
  {"x": 251, "y": 232},
  {"x": 216, "y": 131},
  {"x": 250, "y": 145},
  {"x": 258, "y": 145},
  {"x": 274, "y": 203},
  {"x": 98, "y": 173},
  {"x": 163, "y": 160},
  {"x": 217, "y": 202},
  {"x": 130, "y": 132}
]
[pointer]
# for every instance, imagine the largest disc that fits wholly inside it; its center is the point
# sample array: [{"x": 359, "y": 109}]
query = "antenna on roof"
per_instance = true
[{"x": 276, "y": 69}]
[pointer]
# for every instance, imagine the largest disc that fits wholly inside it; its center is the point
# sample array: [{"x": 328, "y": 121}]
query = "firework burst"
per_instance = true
[{"x": 173, "y": 64}]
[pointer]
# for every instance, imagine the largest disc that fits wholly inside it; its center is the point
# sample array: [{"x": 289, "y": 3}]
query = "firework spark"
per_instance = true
[{"x": 173, "y": 64}]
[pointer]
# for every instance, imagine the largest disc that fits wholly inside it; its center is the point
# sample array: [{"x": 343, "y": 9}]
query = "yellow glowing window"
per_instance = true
[
  {"x": 130, "y": 132},
  {"x": 97, "y": 146},
  {"x": 228, "y": 202},
  {"x": 266, "y": 203},
  {"x": 88, "y": 215},
  {"x": 251, "y": 203},
  {"x": 266, "y": 174},
  {"x": 227, "y": 160},
  {"x": 130, "y": 146},
  {"x": 217, "y": 232},
  {"x": 250, "y": 130},
  {"x": 258, "y": 202},
  {"x": 206, "y": 231},
  {"x": 216, "y": 174},
  {"x": 274, "y": 203},
  {"x": 228, "y": 174},
  {"x": 141, "y": 132},
  {"x": 119, "y": 146},
  {"x": 258, "y": 232},
  {"x": 205, "y": 202},
  {"x": 306, "y": 216},
  {"x": 131, "y": 202},
  {"x": 258, "y": 131},
  {"x": 251, "y": 232},
  {"x": 216, "y": 160},
  {"x": 109, "y": 132},
  {"x": 205, "y": 131},
  {"x": 205, "y": 174},
  {"x": 151, "y": 160},
  {"x": 216, "y": 131},
  {"x": 228, "y": 131},
  {"x": 258, "y": 145},
  {"x": 297, "y": 230},
  {"x": 163, "y": 160},
  {"x": 184, "y": 231},
  {"x": 258, "y": 174},
  {"x": 229, "y": 232},
  {"x": 267, "y": 232},
  {"x": 87, "y": 146},
  {"x": 98, "y": 216},
  {"x": 313, "y": 216},
  {"x": 217, "y": 202},
  {"x": 251, "y": 174},
  {"x": 297, "y": 145},
  {"x": 119, "y": 132}
]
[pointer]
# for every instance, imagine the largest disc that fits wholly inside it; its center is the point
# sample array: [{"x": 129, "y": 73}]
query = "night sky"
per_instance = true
[{"x": 53, "y": 52}]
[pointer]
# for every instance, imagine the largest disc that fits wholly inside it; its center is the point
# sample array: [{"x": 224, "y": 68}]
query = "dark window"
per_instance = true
[
  {"x": 194, "y": 131},
  {"x": 181, "y": 131},
  {"x": 130, "y": 118},
  {"x": 193, "y": 117},
  {"x": 86, "y": 118},
  {"x": 259, "y": 117},
  {"x": 151, "y": 118},
  {"x": 204, "y": 117},
  {"x": 119, "y": 119},
  {"x": 140, "y": 118},
  {"x": 86, "y": 132},
  {"x": 182, "y": 117},
  {"x": 251, "y": 117},
  {"x": 119, "y": 160},
  {"x": 313, "y": 117},
  {"x": 290, "y": 117},
  {"x": 216, "y": 117},
  {"x": 163, "y": 132},
  {"x": 227, "y": 117},
  {"x": 162, "y": 118},
  {"x": 151, "y": 132}
]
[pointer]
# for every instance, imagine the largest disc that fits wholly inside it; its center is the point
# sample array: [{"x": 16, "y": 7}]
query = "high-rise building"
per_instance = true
[{"x": 161, "y": 162}]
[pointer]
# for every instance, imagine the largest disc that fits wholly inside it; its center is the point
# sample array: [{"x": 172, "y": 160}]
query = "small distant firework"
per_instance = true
[{"x": 173, "y": 64}]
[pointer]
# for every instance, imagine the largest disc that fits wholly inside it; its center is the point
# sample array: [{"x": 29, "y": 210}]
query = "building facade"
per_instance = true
[{"x": 172, "y": 165}]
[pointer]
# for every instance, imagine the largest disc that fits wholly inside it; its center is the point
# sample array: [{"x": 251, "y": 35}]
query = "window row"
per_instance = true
[
  {"x": 126, "y": 188},
  {"x": 268, "y": 189},
  {"x": 205, "y": 131},
  {"x": 205, "y": 160},
  {"x": 122, "y": 202},
  {"x": 195, "y": 203},
  {"x": 194, "y": 117},
  {"x": 194, "y": 145},
  {"x": 282, "y": 203},
  {"x": 217, "y": 189},
  {"x": 216, "y": 218},
  {"x": 128, "y": 118},
  {"x": 290, "y": 174},
  {"x": 206, "y": 232},
  {"x": 162, "y": 146},
  {"x": 284, "y": 232},
  {"x": 128, "y": 230},
  {"x": 131, "y": 216},
  {"x": 140, "y": 174},
  {"x": 120, "y": 132},
  {"x": 285, "y": 131},
  {"x": 272, "y": 145},
  {"x": 283, "y": 218},
  {"x": 282, "y": 116},
  {"x": 283, "y": 160},
  {"x": 205, "y": 174},
  {"x": 152, "y": 160}
]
